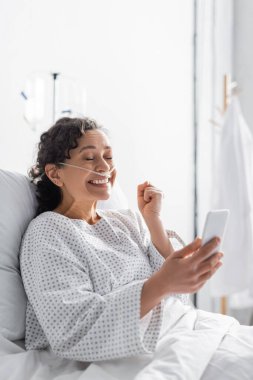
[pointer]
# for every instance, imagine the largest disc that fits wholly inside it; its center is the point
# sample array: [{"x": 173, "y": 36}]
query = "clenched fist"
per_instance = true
[{"x": 149, "y": 199}]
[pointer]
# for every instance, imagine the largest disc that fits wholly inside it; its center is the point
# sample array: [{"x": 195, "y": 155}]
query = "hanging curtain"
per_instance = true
[{"x": 233, "y": 190}]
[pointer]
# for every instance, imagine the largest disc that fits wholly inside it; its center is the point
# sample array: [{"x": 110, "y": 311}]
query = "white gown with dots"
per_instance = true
[{"x": 84, "y": 282}]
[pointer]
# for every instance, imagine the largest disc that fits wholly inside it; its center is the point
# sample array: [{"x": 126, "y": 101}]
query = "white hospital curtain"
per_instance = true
[{"x": 233, "y": 190}]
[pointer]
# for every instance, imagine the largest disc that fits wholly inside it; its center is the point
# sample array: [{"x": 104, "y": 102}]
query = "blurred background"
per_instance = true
[{"x": 160, "y": 75}]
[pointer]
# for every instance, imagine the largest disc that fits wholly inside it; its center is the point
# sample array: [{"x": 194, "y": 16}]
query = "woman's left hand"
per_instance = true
[{"x": 149, "y": 200}]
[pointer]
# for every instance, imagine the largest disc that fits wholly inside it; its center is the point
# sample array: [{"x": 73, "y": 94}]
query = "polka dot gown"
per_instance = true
[{"x": 83, "y": 283}]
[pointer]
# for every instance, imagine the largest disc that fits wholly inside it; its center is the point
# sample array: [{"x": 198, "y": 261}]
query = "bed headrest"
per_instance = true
[{"x": 17, "y": 208}]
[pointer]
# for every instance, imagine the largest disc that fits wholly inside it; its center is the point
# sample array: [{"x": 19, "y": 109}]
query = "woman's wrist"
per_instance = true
[{"x": 152, "y": 293}]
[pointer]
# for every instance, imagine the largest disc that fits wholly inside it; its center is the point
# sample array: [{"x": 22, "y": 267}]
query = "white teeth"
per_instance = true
[{"x": 100, "y": 181}]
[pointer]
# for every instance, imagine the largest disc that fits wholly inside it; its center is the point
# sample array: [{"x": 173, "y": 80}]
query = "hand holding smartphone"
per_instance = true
[{"x": 215, "y": 226}]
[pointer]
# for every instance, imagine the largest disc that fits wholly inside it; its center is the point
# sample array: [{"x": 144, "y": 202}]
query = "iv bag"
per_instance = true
[{"x": 46, "y": 99}]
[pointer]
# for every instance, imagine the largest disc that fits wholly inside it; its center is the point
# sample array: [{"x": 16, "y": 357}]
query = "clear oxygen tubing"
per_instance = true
[{"x": 105, "y": 174}]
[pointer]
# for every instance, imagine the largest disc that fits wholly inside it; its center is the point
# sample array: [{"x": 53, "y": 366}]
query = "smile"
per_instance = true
[{"x": 99, "y": 181}]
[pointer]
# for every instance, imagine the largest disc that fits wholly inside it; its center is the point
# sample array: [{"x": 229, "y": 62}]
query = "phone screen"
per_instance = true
[{"x": 215, "y": 226}]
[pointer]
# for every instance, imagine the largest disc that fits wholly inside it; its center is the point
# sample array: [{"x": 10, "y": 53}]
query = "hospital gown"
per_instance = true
[{"x": 84, "y": 283}]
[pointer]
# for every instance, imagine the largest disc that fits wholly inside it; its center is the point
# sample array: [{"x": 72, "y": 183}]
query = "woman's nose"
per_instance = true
[{"x": 104, "y": 165}]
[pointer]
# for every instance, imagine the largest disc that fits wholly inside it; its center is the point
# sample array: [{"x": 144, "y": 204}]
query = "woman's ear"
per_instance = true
[{"x": 53, "y": 173}]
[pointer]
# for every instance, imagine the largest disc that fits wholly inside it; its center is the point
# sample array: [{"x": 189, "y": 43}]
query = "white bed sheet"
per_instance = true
[{"x": 193, "y": 344}]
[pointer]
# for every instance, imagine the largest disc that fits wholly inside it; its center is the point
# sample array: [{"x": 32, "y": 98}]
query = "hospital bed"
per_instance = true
[{"x": 186, "y": 356}]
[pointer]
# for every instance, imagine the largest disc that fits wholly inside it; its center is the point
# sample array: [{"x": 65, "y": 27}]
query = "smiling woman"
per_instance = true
[
  {"x": 69, "y": 145},
  {"x": 81, "y": 191}
]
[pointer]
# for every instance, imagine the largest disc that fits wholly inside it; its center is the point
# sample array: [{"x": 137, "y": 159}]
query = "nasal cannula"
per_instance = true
[{"x": 105, "y": 174}]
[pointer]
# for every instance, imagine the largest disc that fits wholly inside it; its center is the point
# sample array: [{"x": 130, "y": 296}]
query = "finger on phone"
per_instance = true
[
  {"x": 205, "y": 251},
  {"x": 209, "y": 264},
  {"x": 214, "y": 257}
]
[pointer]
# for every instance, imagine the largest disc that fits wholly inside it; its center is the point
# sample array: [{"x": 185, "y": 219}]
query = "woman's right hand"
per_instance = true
[{"x": 187, "y": 270}]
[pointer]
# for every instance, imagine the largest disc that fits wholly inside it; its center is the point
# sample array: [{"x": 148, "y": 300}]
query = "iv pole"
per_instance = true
[
  {"x": 195, "y": 131},
  {"x": 54, "y": 76},
  {"x": 226, "y": 94}
]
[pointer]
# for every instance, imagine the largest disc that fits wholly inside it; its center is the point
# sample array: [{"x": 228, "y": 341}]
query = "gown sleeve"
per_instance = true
[
  {"x": 144, "y": 323},
  {"x": 79, "y": 323}
]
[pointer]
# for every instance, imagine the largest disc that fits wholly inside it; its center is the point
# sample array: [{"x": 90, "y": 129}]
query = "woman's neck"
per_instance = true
[{"x": 77, "y": 212}]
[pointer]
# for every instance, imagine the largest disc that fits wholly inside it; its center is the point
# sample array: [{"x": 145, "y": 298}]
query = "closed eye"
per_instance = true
[{"x": 91, "y": 159}]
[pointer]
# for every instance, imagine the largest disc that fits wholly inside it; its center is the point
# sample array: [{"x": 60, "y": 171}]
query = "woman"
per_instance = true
[{"x": 97, "y": 281}]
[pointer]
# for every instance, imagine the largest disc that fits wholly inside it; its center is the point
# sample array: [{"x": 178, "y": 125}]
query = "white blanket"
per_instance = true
[{"x": 193, "y": 344}]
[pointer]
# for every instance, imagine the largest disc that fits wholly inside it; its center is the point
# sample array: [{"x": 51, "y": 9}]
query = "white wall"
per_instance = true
[{"x": 135, "y": 60}]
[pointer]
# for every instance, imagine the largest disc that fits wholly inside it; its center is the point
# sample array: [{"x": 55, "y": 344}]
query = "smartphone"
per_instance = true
[{"x": 215, "y": 225}]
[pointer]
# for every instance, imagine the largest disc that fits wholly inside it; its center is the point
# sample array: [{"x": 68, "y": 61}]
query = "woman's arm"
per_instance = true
[
  {"x": 149, "y": 203},
  {"x": 159, "y": 235}
]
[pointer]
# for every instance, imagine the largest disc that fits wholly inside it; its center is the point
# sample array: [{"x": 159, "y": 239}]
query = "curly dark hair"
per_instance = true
[{"x": 54, "y": 147}]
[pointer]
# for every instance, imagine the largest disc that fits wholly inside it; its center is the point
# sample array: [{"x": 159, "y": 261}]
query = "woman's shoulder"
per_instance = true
[
  {"x": 128, "y": 216},
  {"x": 118, "y": 213},
  {"x": 46, "y": 221},
  {"x": 52, "y": 222}
]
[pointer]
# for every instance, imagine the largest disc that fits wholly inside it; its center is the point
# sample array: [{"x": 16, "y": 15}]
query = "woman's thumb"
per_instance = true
[{"x": 141, "y": 188}]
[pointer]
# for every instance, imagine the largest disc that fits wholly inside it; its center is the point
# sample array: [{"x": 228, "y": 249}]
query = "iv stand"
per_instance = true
[
  {"x": 54, "y": 76},
  {"x": 195, "y": 136}
]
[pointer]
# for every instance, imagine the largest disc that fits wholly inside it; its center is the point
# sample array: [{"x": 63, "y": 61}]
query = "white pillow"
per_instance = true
[{"x": 17, "y": 208}]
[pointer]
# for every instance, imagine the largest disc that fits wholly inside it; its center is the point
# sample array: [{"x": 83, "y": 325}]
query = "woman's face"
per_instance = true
[{"x": 95, "y": 153}]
